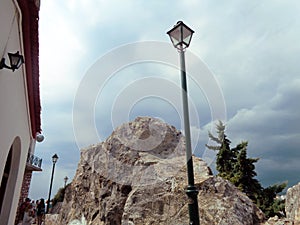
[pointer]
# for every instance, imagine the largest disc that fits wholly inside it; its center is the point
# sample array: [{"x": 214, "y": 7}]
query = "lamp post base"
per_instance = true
[{"x": 192, "y": 194}]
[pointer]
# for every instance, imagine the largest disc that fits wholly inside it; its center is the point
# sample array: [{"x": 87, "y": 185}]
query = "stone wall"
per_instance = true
[
  {"x": 25, "y": 185},
  {"x": 24, "y": 191}
]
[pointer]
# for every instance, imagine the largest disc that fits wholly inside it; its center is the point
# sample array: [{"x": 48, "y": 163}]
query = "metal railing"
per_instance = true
[{"x": 34, "y": 161}]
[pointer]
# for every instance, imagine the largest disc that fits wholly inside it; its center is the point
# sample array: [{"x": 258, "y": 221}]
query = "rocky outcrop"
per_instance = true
[
  {"x": 222, "y": 203},
  {"x": 292, "y": 209},
  {"x": 292, "y": 206},
  {"x": 281, "y": 221},
  {"x": 51, "y": 219},
  {"x": 138, "y": 176}
]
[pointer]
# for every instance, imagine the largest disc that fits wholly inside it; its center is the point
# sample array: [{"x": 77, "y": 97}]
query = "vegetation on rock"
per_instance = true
[
  {"x": 59, "y": 196},
  {"x": 234, "y": 165}
]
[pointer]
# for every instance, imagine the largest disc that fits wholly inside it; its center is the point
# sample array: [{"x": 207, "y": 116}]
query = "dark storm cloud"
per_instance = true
[{"x": 273, "y": 132}]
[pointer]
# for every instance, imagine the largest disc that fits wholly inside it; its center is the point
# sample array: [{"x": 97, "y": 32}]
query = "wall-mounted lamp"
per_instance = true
[
  {"x": 16, "y": 60},
  {"x": 39, "y": 137}
]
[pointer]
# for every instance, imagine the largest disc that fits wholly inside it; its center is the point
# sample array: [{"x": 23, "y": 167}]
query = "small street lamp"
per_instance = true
[
  {"x": 66, "y": 180},
  {"x": 181, "y": 36},
  {"x": 54, "y": 160}
]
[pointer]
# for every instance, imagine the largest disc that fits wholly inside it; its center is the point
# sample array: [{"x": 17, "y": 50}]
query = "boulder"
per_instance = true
[
  {"x": 292, "y": 205},
  {"x": 138, "y": 176}
]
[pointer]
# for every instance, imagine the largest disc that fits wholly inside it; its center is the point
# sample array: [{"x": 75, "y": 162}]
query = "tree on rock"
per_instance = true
[
  {"x": 244, "y": 172},
  {"x": 268, "y": 201},
  {"x": 225, "y": 156},
  {"x": 234, "y": 165}
]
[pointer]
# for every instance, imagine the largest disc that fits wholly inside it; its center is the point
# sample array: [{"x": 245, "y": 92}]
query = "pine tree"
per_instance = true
[
  {"x": 234, "y": 165},
  {"x": 225, "y": 156},
  {"x": 244, "y": 172},
  {"x": 269, "y": 203}
]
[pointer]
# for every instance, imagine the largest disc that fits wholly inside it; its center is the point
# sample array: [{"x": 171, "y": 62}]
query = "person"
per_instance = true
[
  {"x": 36, "y": 204},
  {"x": 33, "y": 203},
  {"x": 28, "y": 215},
  {"x": 22, "y": 209},
  {"x": 50, "y": 206},
  {"x": 40, "y": 211}
]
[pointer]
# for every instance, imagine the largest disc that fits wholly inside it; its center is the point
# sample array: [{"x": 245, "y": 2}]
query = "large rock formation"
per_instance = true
[
  {"x": 138, "y": 176},
  {"x": 292, "y": 206}
]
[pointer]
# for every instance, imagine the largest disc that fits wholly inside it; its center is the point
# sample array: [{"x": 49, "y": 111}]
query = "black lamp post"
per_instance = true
[
  {"x": 181, "y": 36},
  {"x": 66, "y": 180},
  {"x": 54, "y": 160}
]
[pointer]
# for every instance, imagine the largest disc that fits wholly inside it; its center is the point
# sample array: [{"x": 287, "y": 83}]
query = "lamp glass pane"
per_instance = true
[
  {"x": 175, "y": 35},
  {"x": 186, "y": 35},
  {"x": 54, "y": 158},
  {"x": 186, "y": 32},
  {"x": 174, "y": 41},
  {"x": 187, "y": 40},
  {"x": 20, "y": 62},
  {"x": 16, "y": 60}
]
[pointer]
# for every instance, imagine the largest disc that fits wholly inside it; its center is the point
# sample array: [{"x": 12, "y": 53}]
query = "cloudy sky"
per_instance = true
[{"x": 103, "y": 63}]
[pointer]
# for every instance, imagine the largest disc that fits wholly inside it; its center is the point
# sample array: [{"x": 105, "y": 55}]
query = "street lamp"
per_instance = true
[
  {"x": 181, "y": 36},
  {"x": 66, "y": 180},
  {"x": 54, "y": 160}
]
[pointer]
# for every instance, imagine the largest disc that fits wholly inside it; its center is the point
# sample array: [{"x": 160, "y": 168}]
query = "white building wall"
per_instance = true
[{"x": 14, "y": 113}]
